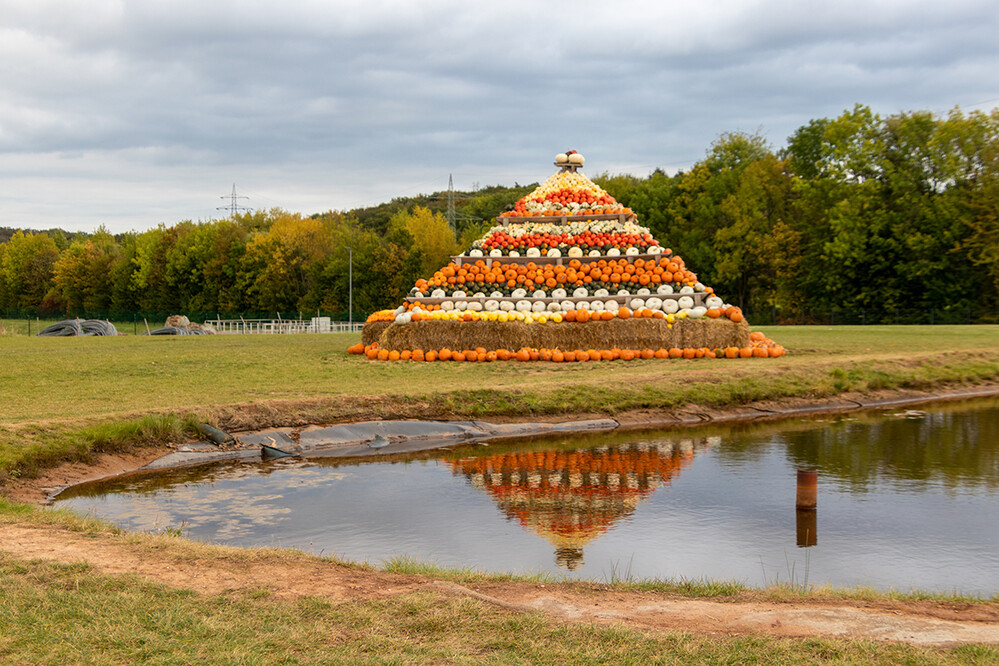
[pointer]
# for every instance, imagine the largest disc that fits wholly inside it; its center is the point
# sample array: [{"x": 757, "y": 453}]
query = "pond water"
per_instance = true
[{"x": 906, "y": 499}]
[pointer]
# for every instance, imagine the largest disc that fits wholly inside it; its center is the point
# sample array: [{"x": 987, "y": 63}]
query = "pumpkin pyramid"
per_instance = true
[{"x": 567, "y": 272}]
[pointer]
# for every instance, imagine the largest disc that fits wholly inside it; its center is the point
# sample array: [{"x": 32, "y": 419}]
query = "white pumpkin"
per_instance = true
[
  {"x": 514, "y": 253},
  {"x": 519, "y": 293},
  {"x": 623, "y": 292},
  {"x": 540, "y": 293},
  {"x": 576, "y": 158},
  {"x": 583, "y": 305},
  {"x": 496, "y": 253},
  {"x": 492, "y": 306},
  {"x": 631, "y": 251},
  {"x": 698, "y": 312},
  {"x": 561, "y": 158},
  {"x": 554, "y": 252},
  {"x": 643, "y": 292},
  {"x": 506, "y": 306},
  {"x": 654, "y": 303},
  {"x": 438, "y": 293},
  {"x": 558, "y": 293},
  {"x": 459, "y": 294},
  {"x": 538, "y": 306},
  {"x": 404, "y": 318},
  {"x": 575, "y": 251},
  {"x": 567, "y": 305},
  {"x": 475, "y": 306},
  {"x": 601, "y": 293},
  {"x": 611, "y": 305},
  {"x": 475, "y": 253},
  {"x": 533, "y": 252},
  {"x": 597, "y": 306},
  {"x": 461, "y": 305},
  {"x": 670, "y": 306},
  {"x": 613, "y": 252},
  {"x": 447, "y": 306},
  {"x": 594, "y": 253},
  {"x": 523, "y": 306},
  {"x": 554, "y": 307},
  {"x": 496, "y": 294},
  {"x": 664, "y": 290},
  {"x": 580, "y": 292},
  {"x": 685, "y": 302},
  {"x": 399, "y": 310},
  {"x": 637, "y": 303},
  {"x": 686, "y": 290},
  {"x": 714, "y": 302},
  {"x": 655, "y": 249}
]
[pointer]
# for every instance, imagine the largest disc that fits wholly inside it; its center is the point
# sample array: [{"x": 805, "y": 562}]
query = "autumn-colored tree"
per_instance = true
[
  {"x": 431, "y": 236},
  {"x": 26, "y": 269}
]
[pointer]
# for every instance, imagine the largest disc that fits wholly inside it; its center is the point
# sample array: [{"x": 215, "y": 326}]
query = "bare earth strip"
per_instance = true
[{"x": 920, "y": 623}]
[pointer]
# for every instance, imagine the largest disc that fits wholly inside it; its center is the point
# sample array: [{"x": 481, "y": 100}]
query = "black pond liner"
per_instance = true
[{"x": 176, "y": 330}]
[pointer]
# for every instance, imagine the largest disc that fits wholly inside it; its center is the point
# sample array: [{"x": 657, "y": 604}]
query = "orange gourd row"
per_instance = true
[
  {"x": 665, "y": 270},
  {"x": 758, "y": 349}
]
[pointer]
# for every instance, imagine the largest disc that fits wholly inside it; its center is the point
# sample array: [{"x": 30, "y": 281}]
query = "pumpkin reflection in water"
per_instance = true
[{"x": 572, "y": 497}]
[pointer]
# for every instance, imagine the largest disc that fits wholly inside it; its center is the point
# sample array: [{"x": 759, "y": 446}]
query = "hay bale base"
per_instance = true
[
  {"x": 616, "y": 333},
  {"x": 372, "y": 331}
]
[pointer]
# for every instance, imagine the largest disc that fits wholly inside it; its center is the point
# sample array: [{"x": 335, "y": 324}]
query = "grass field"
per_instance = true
[
  {"x": 68, "y": 398},
  {"x": 61, "y": 398}
]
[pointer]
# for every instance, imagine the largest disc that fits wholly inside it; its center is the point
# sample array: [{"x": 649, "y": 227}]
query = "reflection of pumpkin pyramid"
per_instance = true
[
  {"x": 572, "y": 497},
  {"x": 576, "y": 264}
]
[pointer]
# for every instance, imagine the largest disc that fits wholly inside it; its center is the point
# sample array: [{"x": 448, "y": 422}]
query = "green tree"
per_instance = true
[
  {"x": 26, "y": 269},
  {"x": 432, "y": 237}
]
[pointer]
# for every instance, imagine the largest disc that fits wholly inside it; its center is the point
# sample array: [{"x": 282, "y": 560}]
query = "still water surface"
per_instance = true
[{"x": 906, "y": 499}]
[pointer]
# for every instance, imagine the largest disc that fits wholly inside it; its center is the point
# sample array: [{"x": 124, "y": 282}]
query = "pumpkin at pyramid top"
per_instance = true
[{"x": 570, "y": 257}]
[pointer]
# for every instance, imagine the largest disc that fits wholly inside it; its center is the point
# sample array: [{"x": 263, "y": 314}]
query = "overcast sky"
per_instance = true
[{"x": 131, "y": 113}]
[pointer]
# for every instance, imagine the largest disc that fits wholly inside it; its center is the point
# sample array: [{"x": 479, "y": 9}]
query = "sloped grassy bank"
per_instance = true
[{"x": 72, "y": 402}]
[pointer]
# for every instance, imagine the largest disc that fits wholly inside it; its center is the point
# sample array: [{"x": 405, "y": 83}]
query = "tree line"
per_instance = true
[{"x": 858, "y": 212}]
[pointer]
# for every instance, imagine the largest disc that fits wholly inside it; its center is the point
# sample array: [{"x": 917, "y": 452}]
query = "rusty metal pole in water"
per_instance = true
[
  {"x": 806, "y": 501},
  {"x": 807, "y": 495}
]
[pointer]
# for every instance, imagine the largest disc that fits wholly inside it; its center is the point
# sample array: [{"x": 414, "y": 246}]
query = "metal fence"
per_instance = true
[{"x": 29, "y": 321}]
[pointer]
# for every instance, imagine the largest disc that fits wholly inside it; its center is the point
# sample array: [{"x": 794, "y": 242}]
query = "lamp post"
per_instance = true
[{"x": 350, "y": 287}]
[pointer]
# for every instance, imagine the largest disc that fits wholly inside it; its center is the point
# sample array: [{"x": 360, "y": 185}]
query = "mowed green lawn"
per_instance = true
[{"x": 44, "y": 379}]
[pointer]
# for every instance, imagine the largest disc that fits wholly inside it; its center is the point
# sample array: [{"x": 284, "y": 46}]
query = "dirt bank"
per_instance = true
[{"x": 172, "y": 562}]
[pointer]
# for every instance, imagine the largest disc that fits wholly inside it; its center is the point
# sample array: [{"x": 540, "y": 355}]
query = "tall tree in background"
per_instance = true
[
  {"x": 26, "y": 268},
  {"x": 431, "y": 236}
]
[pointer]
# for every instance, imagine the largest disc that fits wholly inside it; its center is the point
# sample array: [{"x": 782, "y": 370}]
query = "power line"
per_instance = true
[{"x": 233, "y": 206}]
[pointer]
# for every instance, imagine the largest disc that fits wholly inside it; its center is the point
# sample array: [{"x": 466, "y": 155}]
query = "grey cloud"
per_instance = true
[{"x": 339, "y": 102}]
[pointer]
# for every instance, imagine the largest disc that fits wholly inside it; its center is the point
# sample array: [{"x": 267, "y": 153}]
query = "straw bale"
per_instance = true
[
  {"x": 372, "y": 330},
  {"x": 616, "y": 333}
]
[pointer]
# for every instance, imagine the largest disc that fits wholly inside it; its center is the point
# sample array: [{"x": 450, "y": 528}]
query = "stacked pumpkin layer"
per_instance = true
[{"x": 569, "y": 268}]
